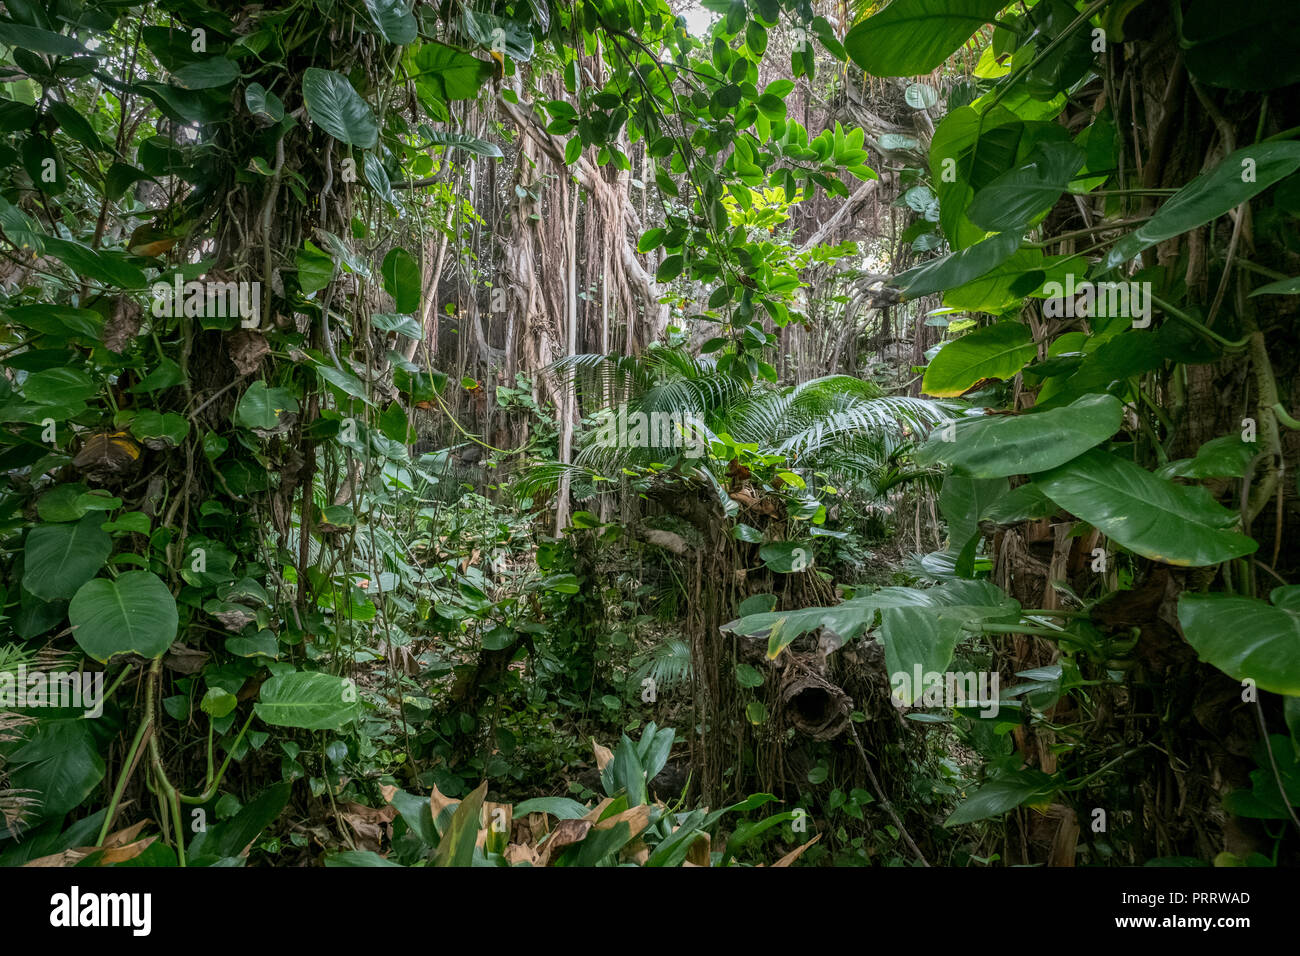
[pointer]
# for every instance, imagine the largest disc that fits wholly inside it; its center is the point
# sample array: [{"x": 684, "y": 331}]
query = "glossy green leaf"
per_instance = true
[
  {"x": 910, "y": 37},
  {"x": 997, "y": 797},
  {"x": 1017, "y": 196},
  {"x": 1238, "y": 177},
  {"x": 996, "y": 351},
  {"x": 311, "y": 700},
  {"x": 958, "y": 268},
  {"x": 1177, "y": 524},
  {"x": 402, "y": 279},
  {"x": 59, "y": 558},
  {"x": 997, "y": 446},
  {"x": 131, "y": 614},
  {"x": 1247, "y": 638},
  {"x": 338, "y": 109},
  {"x": 394, "y": 20}
]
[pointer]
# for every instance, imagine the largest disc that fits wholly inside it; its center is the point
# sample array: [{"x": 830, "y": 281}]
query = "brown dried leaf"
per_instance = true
[
  {"x": 184, "y": 659},
  {"x": 246, "y": 348},
  {"x": 796, "y": 852},
  {"x": 566, "y": 833}
]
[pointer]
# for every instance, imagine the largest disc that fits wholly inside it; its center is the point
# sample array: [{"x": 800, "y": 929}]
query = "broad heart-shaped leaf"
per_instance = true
[
  {"x": 261, "y": 102},
  {"x": 402, "y": 279},
  {"x": 1176, "y": 524},
  {"x": 442, "y": 72},
  {"x": 997, "y": 351},
  {"x": 132, "y": 614},
  {"x": 394, "y": 19},
  {"x": 998, "y": 796},
  {"x": 60, "y": 558},
  {"x": 1012, "y": 199},
  {"x": 958, "y": 268},
  {"x": 59, "y": 762},
  {"x": 1210, "y": 195},
  {"x": 997, "y": 446},
  {"x": 1247, "y": 638},
  {"x": 311, "y": 700},
  {"x": 338, "y": 109},
  {"x": 910, "y": 37},
  {"x": 261, "y": 407}
]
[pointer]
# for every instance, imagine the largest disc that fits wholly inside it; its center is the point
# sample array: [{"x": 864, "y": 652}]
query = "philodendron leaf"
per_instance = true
[
  {"x": 911, "y": 37},
  {"x": 1247, "y": 638},
  {"x": 1014, "y": 198},
  {"x": 998, "y": 446},
  {"x": 338, "y": 109},
  {"x": 997, "y": 351},
  {"x": 311, "y": 700},
  {"x": 59, "y": 558},
  {"x": 134, "y": 613},
  {"x": 1238, "y": 177},
  {"x": 998, "y": 796},
  {"x": 958, "y": 268},
  {"x": 1176, "y": 524},
  {"x": 394, "y": 19}
]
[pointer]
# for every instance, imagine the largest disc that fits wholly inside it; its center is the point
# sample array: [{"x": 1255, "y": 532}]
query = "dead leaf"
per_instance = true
[
  {"x": 566, "y": 833},
  {"x": 603, "y": 754},
  {"x": 698, "y": 854},
  {"x": 246, "y": 349},
  {"x": 517, "y": 853},
  {"x": 185, "y": 659},
  {"x": 637, "y": 819},
  {"x": 796, "y": 852}
]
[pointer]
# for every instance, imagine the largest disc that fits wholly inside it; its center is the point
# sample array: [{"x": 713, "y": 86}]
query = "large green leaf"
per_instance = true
[
  {"x": 36, "y": 40},
  {"x": 1238, "y": 177},
  {"x": 997, "y": 446},
  {"x": 1015, "y": 197},
  {"x": 261, "y": 407},
  {"x": 444, "y": 73},
  {"x": 998, "y": 796},
  {"x": 311, "y": 700},
  {"x": 131, "y": 614},
  {"x": 997, "y": 351},
  {"x": 59, "y": 763},
  {"x": 1176, "y": 524},
  {"x": 1247, "y": 638},
  {"x": 338, "y": 109},
  {"x": 958, "y": 268},
  {"x": 402, "y": 279},
  {"x": 59, "y": 558},
  {"x": 910, "y": 37},
  {"x": 394, "y": 20}
]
